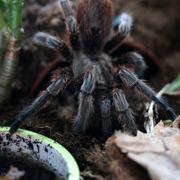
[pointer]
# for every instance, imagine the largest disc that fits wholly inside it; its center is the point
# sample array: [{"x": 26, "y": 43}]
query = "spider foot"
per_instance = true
[
  {"x": 127, "y": 122},
  {"x": 125, "y": 23},
  {"x": 124, "y": 113},
  {"x": 78, "y": 127},
  {"x": 84, "y": 115},
  {"x": 15, "y": 125},
  {"x": 106, "y": 120}
]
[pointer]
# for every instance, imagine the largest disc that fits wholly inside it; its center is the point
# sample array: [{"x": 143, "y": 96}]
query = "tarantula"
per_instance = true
[{"x": 89, "y": 65}]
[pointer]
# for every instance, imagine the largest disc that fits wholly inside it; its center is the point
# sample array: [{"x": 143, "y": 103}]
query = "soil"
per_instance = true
[{"x": 156, "y": 25}]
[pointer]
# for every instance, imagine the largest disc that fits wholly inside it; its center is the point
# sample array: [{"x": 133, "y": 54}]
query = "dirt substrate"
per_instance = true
[{"x": 156, "y": 25}]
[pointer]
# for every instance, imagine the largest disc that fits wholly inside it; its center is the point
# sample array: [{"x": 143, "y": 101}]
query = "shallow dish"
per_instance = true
[{"x": 36, "y": 147}]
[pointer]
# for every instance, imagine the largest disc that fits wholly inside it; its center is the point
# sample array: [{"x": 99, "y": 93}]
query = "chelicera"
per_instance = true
[{"x": 99, "y": 75}]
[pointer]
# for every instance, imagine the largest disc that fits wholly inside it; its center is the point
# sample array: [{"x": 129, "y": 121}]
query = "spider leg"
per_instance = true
[
  {"x": 86, "y": 102},
  {"x": 46, "y": 40},
  {"x": 133, "y": 61},
  {"x": 131, "y": 80},
  {"x": 71, "y": 23},
  {"x": 125, "y": 115},
  {"x": 119, "y": 45},
  {"x": 130, "y": 46},
  {"x": 106, "y": 120},
  {"x": 52, "y": 90},
  {"x": 124, "y": 27}
]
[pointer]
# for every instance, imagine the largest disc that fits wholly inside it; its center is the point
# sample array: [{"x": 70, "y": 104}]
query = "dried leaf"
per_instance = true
[
  {"x": 159, "y": 166},
  {"x": 157, "y": 152},
  {"x": 176, "y": 123}
]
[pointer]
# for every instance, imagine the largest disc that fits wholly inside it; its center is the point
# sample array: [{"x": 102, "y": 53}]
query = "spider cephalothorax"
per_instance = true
[{"x": 100, "y": 76}]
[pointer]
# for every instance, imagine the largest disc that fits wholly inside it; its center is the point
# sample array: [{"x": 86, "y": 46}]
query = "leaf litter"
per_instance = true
[{"x": 158, "y": 152}]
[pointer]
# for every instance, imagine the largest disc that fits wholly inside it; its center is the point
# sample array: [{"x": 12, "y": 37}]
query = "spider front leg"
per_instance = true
[
  {"x": 71, "y": 23},
  {"x": 131, "y": 80},
  {"x": 46, "y": 40},
  {"x": 53, "y": 89},
  {"x": 86, "y": 102},
  {"x": 125, "y": 115}
]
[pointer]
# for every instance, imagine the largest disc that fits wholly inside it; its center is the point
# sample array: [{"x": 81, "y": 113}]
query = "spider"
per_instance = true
[{"x": 89, "y": 64}]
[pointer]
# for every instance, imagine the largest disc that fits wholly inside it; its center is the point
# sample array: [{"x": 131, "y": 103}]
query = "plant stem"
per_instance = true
[
  {"x": 2, "y": 22},
  {"x": 4, "y": 34},
  {"x": 8, "y": 69},
  {"x": 16, "y": 18}
]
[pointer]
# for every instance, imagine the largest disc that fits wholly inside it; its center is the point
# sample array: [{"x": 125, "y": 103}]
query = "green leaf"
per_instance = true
[
  {"x": 15, "y": 21},
  {"x": 4, "y": 12},
  {"x": 167, "y": 122},
  {"x": 5, "y": 1},
  {"x": 174, "y": 86},
  {"x": 2, "y": 22}
]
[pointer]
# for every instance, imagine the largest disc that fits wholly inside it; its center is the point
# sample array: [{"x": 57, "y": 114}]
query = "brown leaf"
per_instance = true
[
  {"x": 176, "y": 123},
  {"x": 157, "y": 152}
]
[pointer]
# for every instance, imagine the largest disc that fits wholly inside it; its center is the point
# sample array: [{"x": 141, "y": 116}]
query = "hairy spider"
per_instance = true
[{"x": 90, "y": 66}]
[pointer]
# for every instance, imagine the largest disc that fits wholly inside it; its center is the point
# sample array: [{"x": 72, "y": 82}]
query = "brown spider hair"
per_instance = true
[{"x": 94, "y": 18}]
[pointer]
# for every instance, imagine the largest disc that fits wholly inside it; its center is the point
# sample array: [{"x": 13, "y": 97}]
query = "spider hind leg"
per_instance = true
[{"x": 133, "y": 61}]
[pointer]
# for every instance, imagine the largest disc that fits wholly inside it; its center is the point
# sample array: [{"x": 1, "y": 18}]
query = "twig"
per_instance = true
[
  {"x": 4, "y": 34},
  {"x": 149, "y": 124}
]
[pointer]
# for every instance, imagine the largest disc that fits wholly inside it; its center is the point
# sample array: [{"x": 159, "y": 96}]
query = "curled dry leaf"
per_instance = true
[{"x": 157, "y": 152}]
